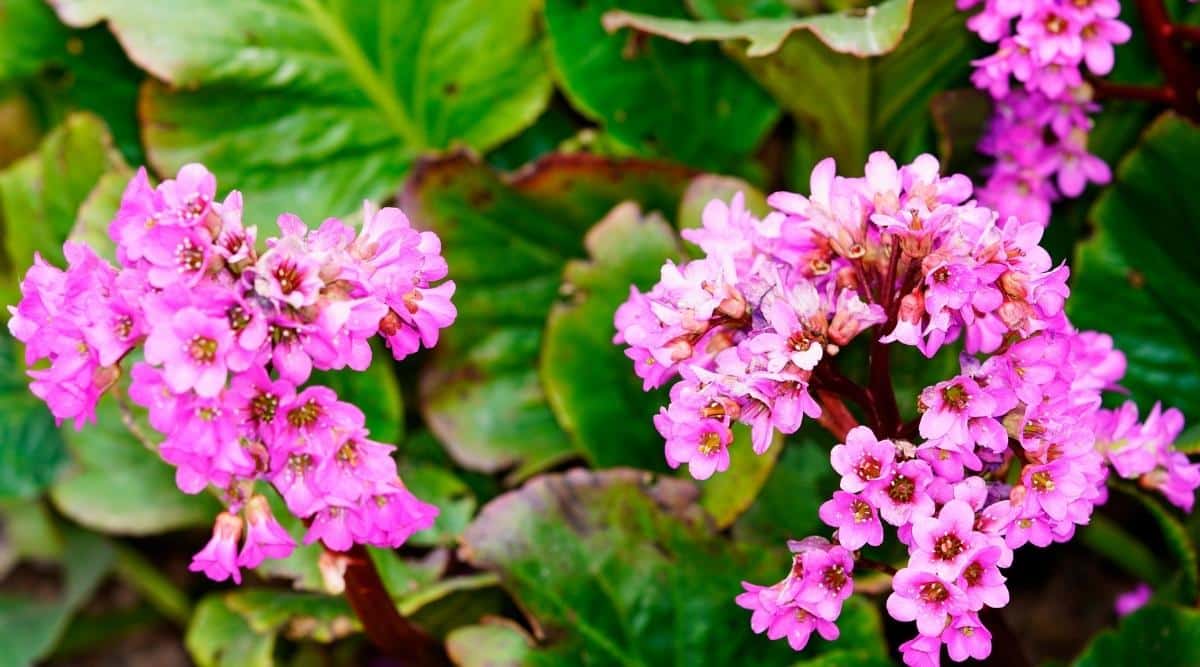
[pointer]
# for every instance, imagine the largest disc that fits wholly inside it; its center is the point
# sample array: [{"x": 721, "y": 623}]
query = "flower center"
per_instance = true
[
  {"x": 941, "y": 275},
  {"x": 347, "y": 454},
  {"x": 800, "y": 342},
  {"x": 288, "y": 275},
  {"x": 834, "y": 578},
  {"x": 973, "y": 573},
  {"x": 948, "y": 547},
  {"x": 263, "y": 406},
  {"x": 901, "y": 489},
  {"x": 238, "y": 317},
  {"x": 955, "y": 396},
  {"x": 188, "y": 256},
  {"x": 861, "y": 510},
  {"x": 299, "y": 463},
  {"x": 280, "y": 335},
  {"x": 710, "y": 442},
  {"x": 1042, "y": 481},
  {"x": 202, "y": 349},
  {"x": 933, "y": 592},
  {"x": 305, "y": 415},
  {"x": 869, "y": 468},
  {"x": 123, "y": 327},
  {"x": 1055, "y": 24}
]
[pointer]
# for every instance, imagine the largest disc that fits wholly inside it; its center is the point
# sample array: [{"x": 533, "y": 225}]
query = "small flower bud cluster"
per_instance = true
[
  {"x": 1038, "y": 133},
  {"x": 229, "y": 337},
  {"x": 1015, "y": 449}
]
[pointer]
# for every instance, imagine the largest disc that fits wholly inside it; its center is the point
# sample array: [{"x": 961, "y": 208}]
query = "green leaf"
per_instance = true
[
  {"x": 119, "y": 486},
  {"x": 30, "y": 627},
  {"x": 687, "y": 103},
  {"x": 787, "y": 506},
  {"x": 375, "y": 391},
  {"x": 40, "y": 195},
  {"x": 32, "y": 452},
  {"x": 1136, "y": 263},
  {"x": 613, "y": 567},
  {"x": 322, "y": 618},
  {"x": 498, "y": 643},
  {"x": 589, "y": 380},
  {"x": 453, "y": 498},
  {"x": 862, "y": 32},
  {"x": 507, "y": 240},
  {"x": 219, "y": 637},
  {"x": 1158, "y": 635},
  {"x": 333, "y": 100},
  {"x": 729, "y": 494}
]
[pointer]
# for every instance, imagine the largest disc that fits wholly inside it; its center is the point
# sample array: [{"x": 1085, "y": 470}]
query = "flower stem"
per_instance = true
[
  {"x": 385, "y": 627},
  {"x": 1182, "y": 78},
  {"x": 835, "y": 416}
]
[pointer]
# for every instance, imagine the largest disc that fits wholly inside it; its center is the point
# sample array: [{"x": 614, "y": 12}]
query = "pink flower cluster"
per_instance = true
[
  {"x": 229, "y": 337},
  {"x": 1038, "y": 133},
  {"x": 1015, "y": 449}
]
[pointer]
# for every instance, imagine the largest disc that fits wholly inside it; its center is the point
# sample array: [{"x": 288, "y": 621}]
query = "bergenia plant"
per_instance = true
[
  {"x": 218, "y": 337},
  {"x": 1013, "y": 450}
]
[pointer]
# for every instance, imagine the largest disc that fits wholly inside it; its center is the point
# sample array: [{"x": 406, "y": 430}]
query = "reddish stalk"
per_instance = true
[
  {"x": 835, "y": 416},
  {"x": 385, "y": 627},
  {"x": 1167, "y": 42}
]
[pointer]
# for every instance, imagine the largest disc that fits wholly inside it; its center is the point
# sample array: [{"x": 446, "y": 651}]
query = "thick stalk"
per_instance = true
[
  {"x": 882, "y": 393},
  {"x": 828, "y": 377},
  {"x": 835, "y": 416},
  {"x": 385, "y": 627}
]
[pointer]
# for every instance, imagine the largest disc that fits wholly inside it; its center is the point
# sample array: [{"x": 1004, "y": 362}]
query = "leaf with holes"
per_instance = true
[
  {"x": 507, "y": 240},
  {"x": 333, "y": 101}
]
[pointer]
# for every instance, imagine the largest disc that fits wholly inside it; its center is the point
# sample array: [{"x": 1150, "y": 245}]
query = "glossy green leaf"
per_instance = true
[
  {"x": 314, "y": 616},
  {"x": 728, "y": 494},
  {"x": 1135, "y": 278},
  {"x": 787, "y": 506},
  {"x": 494, "y": 644},
  {"x": 617, "y": 568},
  {"x": 688, "y": 103},
  {"x": 332, "y": 100},
  {"x": 589, "y": 380},
  {"x": 866, "y": 32},
  {"x": 119, "y": 486},
  {"x": 507, "y": 240},
  {"x": 32, "y": 451},
  {"x": 30, "y": 627},
  {"x": 1158, "y": 635},
  {"x": 220, "y": 637}
]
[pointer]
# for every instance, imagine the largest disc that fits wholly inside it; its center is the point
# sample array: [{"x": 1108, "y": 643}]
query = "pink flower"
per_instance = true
[
  {"x": 902, "y": 496},
  {"x": 922, "y": 651},
  {"x": 289, "y": 272},
  {"x": 943, "y": 544},
  {"x": 265, "y": 538},
  {"x": 855, "y": 518},
  {"x": 218, "y": 559},
  {"x": 966, "y": 637},
  {"x": 191, "y": 348},
  {"x": 925, "y": 598},
  {"x": 862, "y": 459},
  {"x": 703, "y": 444},
  {"x": 947, "y": 408}
]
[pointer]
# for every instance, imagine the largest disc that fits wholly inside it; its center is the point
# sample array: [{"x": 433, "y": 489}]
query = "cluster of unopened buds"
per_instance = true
[
  {"x": 1015, "y": 449},
  {"x": 1039, "y": 129},
  {"x": 228, "y": 338}
]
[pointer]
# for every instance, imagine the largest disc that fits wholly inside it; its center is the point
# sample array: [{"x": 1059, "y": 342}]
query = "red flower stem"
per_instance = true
[
  {"x": 1182, "y": 78},
  {"x": 1185, "y": 33},
  {"x": 1107, "y": 90},
  {"x": 881, "y": 391},
  {"x": 835, "y": 416},
  {"x": 827, "y": 376},
  {"x": 872, "y": 564},
  {"x": 385, "y": 627}
]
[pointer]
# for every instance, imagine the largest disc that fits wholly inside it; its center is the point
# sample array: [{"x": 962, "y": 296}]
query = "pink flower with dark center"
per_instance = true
[
  {"x": 924, "y": 597},
  {"x": 191, "y": 348},
  {"x": 218, "y": 559},
  {"x": 288, "y": 273},
  {"x": 943, "y": 544},
  {"x": 854, "y": 518},
  {"x": 947, "y": 408},
  {"x": 390, "y": 517},
  {"x": 902, "y": 496},
  {"x": 981, "y": 580},
  {"x": 703, "y": 444},
  {"x": 863, "y": 459},
  {"x": 966, "y": 637}
]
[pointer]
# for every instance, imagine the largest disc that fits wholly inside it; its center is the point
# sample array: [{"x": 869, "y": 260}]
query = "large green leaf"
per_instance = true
[
  {"x": 62, "y": 70},
  {"x": 847, "y": 105},
  {"x": 1158, "y": 635},
  {"x": 220, "y": 637},
  {"x": 865, "y": 32},
  {"x": 1135, "y": 278},
  {"x": 119, "y": 486},
  {"x": 589, "y": 381},
  {"x": 30, "y": 627},
  {"x": 312, "y": 106},
  {"x": 687, "y": 103},
  {"x": 616, "y": 568},
  {"x": 507, "y": 240}
]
